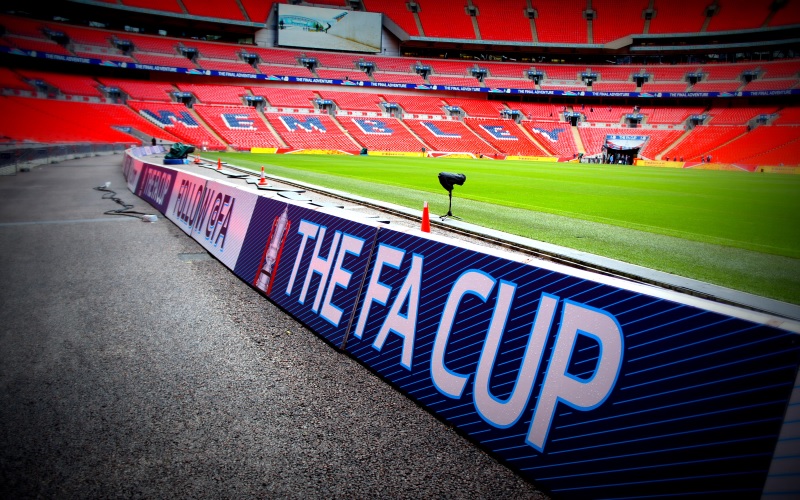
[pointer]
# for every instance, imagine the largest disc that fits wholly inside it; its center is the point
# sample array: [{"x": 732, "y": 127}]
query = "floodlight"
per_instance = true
[{"x": 448, "y": 180}]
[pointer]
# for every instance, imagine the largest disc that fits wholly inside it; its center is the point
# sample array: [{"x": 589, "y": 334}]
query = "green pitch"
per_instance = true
[{"x": 734, "y": 229}]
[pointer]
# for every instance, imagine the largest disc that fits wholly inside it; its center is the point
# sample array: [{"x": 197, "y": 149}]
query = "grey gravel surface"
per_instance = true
[{"x": 132, "y": 365}]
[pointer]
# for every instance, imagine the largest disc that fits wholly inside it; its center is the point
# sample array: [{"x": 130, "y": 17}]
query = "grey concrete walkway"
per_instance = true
[{"x": 132, "y": 365}]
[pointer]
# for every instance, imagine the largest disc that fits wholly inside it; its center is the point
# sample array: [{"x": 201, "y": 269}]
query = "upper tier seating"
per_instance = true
[
  {"x": 594, "y": 138},
  {"x": 178, "y": 120},
  {"x": 37, "y": 45},
  {"x": 240, "y": 126},
  {"x": 510, "y": 70},
  {"x": 311, "y": 132},
  {"x": 398, "y": 78},
  {"x": 665, "y": 73},
  {"x": 727, "y": 71},
  {"x": 215, "y": 94},
  {"x": 257, "y": 10},
  {"x": 615, "y": 73},
  {"x": 395, "y": 10},
  {"x": 677, "y": 16},
  {"x": 738, "y": 15},
  {"x": 449, "y": 136},
  {"x": 218, "y": 9},
  {"x": 342, "y": 74},
  {"x": 508, "y": 83},
  {"x": 87, "y": 36},
  {"x": 561, "y": 21},
  {"x": 505, "y": 136},
  {"x": 664, "y": 87},
  {"x": 104, "y": 56},
  {"x": 334, "y": 60},
  {"x": 285, "y": 70},
  {"x": 454, "y": 81},
  {"x": 616, "y": 19},
  {"x": 556, "y": 138},
  {"x": 503, "y": 20},
  {"x": 163, "y": 5},
  {"x": 21, "y": 26},
  {"x": 142, "y": 91},
  {"x": 381, "y": 134},
  {"x": 286, "y": 98},
  {"x": 789, "y": 14},
  {"x": 781, "y": 69},
  {"x": 716, "y": 86},
  {"x": 445, "y": 20},
  {"x": 561, "y": 72},
  {"x": 614, "y": 87},
  {"x": 604, "y": 113},
  {"x": 48, "y": 120}
]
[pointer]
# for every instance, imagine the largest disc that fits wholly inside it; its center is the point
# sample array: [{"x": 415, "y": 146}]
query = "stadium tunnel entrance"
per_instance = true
[{"x": 623, "y": 149}]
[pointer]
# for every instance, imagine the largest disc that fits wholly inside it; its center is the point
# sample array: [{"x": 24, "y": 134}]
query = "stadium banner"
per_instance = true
[
  {"x": 533, "y": 158},
  {"x": 309, "y": 262},
  {"x": 186, "y": 201},
  {"x": 393, "y": 85},
  {"x": 221, "y": 220},
  {"x": 316, "y": 152},
  {"x": 734, "y": 167},
  {"x": 777, "y": 169},
  {"x": 395, "y": 153},
  {"x": 658, "y": 163},
  {"x": 131, "y": 170},
  {"x": 156, "y": 185},
  {"x": 590, "y": 386},
  {"x": 264, "y": 150}
]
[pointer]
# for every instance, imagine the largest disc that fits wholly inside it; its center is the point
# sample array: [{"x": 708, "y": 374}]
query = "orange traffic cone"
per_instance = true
[
  {"x": 197, "y": 160},
  {"x": 426, "y": 219},
  {"x": 262, "y": 181},
  {"x": 219, "y": 163}
]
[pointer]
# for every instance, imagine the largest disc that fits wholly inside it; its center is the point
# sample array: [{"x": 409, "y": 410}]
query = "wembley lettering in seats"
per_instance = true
[
  {"x": 168, "y": 118},
  {"x": 372, "y": 126},
  {"x": 308, "y": 124}
]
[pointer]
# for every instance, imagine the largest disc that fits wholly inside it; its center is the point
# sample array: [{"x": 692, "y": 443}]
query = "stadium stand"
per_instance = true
[
  {"x": 677, "y": 16},
  {"x": 286, "y": 97},
  {"x": 603, "y": 113},
  {"x": 503, "y": 20},
  {"x": 224, "y": 51},
  {"x": 342, "y": 74},
  {"x": 738, "y": 115},
  {"x": 158, "y": 5},
  {"x": 561, "y": 21},
  {"x": 505, "y": 136},
  {"x": 353, "y": 101},
  {"x": 539, "y": 111},
  {"x": 727, "y": 71},
  {"x": 788, "y": 116},
  {"x": 457, "y": 68},
  {"x": 770, "y": 85},
  {"x": 142, "y": 91},
  {"x": 285, "y": 70},
  {"x": 21, "y": 26},
  {"x": 87, "y": 36},
  {"x": 617, "y": 19},
  {"x": 334, "y": 60},
  {"x": 241, "y": 126},
  {"x": 663, "y": 73},
  {"x": 559, "y": 72},
  {"x": 381, "y": 134},
  {"x": 445, "y": 20},
  {"x": 257, "y": 10},
  {"x": 738, "y": 15},
  {"x": 454, "y": 81},
  {"x": 670, "y": 116},
  {"x": 311, "y": 132},
  {"x": 175, "y": 61},
  {"x": 763, "y": 146},
  {"x": 508, "y": 69},
  {"x": 703, "y": 139},
  {"x": 476, "y": 107},
  {"x": 145, "y": 43},
  {"x": 395, "y": 10},
  {"x": 67, "y": 84},
  {"x": 614, "y": 87},
  {"x": 230, "y": 66},
  {"x": 615, "y": 73},
  {"x": 556, "y": 138},
  {"x": 37, "y": 45},
  {"x": 664, "y": 87},
  {"x": 224, "y": 10},
  {"x": 215, "y": 94},
  {"x": 508, "y": 83},
  {"x": 417, "y": 104},
  {"x": 781, "y": 69},
  {"x": 104, "y": 56},
  {"x": 398, "y": 78},
  {"x": 716, "y": 86},
  {"x": 179, "y": 121},
  {"x": 12, "y": 81},
  {"x": 54, "y": 121},
  {"x": 276, "y": 56},
  {"x": 789, "y": 14},
  {"x": 449, "y": 136}
]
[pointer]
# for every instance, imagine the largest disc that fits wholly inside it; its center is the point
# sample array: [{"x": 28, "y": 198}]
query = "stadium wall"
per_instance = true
[{"x": 587, "y": 385}]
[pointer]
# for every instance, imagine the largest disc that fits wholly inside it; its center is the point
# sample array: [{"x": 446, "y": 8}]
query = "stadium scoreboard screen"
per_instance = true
[{"x": 332, "y": 29}]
